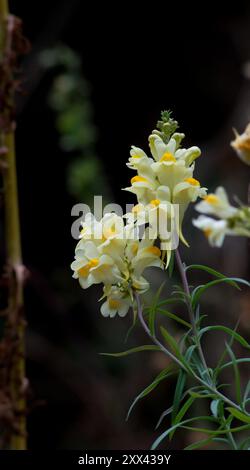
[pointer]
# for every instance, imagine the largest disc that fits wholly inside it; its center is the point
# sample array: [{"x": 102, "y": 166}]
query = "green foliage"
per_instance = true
[
  {"x": 227, "y": 330},
  {"x": 172, "y": 316},
  {"x": 199, "y": 290},
  {"x": 153, "y": 310},
  {"x": 146, "y": 347},
  {"x": 197, "y": 382},
  {"x": 166, "y": 126},
  {"x": 180, "y": 384},
  {"x": 70, "y": 99},
  {"x": 239, "y": 415},
  {"x": 160, "y": 377}
]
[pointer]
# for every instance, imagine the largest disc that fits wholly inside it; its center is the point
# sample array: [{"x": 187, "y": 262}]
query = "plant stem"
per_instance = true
[
  {"x": 3, "y": 9},
  {"x": 190, "y": 308},
  {"x": 176, "y": 360},
  {"x": 15, "y": 325},
  {"x": 230, "y": 438},
  {"x": 154, "y": 339}
]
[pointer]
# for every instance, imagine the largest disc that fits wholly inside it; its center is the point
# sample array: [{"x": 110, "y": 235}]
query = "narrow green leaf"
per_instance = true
[
  {"x": 222, "y": 431},
  {"x": 171, "y": 300},
  {"x": 171, "y": 264},
  {"x": 173, "y": 317},
  {"x": 152, "y": 310},
  {"x": 189, "y": 352},
  {"x": 207, "y": 440},
  {"x": 151, "y": 320},
  {"x": 244, "y": 443},
  {"x": 175, "y": 348},
  {"x": 211, "y": 271},
  {"x": 180, "y": 384},
  {"x": 239, "y": 415},
  {"x": 198, "y": 291},
  {"x": 246, "y": 392},
  {"x": 227, "y": 330},
  {"x": 199, "y": 444},
  {"x": 236, "y": 373},
  {"x": 160, "y": 377},
  {"x": 182, "y": 413},
  {"x": 202, "y": 395},
  {"x": 166, "y": 433},
  {"x": 131, "y": 328},
  {"x": 146, "y": 347},
  {"x": 200, "y": 320},
  {"x": 184, "y": 409},
  {"x": 218, "y": 368},
  {"x": 221, "y": 439},
  {"x": 238, "y": 361},
  {"x": 163, "y": 415},
  {"x": 170, "y": 341}
]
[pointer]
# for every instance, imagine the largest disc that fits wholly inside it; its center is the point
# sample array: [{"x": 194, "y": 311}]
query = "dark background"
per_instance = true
[{"x": 138, "y": 60}]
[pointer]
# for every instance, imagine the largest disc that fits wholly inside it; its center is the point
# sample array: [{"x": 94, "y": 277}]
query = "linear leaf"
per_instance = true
[
  {"x": 222, "y": 431},
  {"x": 243, "y": 444},
  {"x": 163, "y": 415},
  {"x": 180, "y": 384},
  {"x": 199, "y": 444},
  {"x": 175, "y": 347},
  {"x": 198, "y": 291},
  {"x": 239, "y": 415},
  {"x": 152, "y": 310},
  {"x": 238, "y": 361},
  {"x": 236, "y": 373},
  {"x": 227, "y": 330},
  {"x": 171, "y": 300},
  {"x": 209, "y": 270},
  {"x": 182, "y": 413},
  {"x": 163, "y": 375},
  {"x": 246, "y": 392},
  {"x": 173, "y": 317},
  {"x": 171, "y": 264},
  {"x": 202, "y": 395},
  {"x": 218, "y": 368},
  {"x": 146, "y": 347},
  {"x": 178, "y": 425}
]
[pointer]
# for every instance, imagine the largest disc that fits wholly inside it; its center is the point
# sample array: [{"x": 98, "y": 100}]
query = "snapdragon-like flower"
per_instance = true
[
  {"x": 241, "y": 144},
  {"x": 110, "y": 252},
  {"x": 229, "y": 220},
  {"x": 214, "y": 230},
  {"x": 217, "y": 204},
  {"x": 164, "y": 179}
]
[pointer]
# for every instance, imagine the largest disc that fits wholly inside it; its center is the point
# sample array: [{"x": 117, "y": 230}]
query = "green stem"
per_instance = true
[
  {"x": 230, "y": 437},
  {"x": 153, "y": 337},
  {"x": 190, "y": 309},
  {"x": 15, "y": 322},
  {"x": 155, "y": 340}
]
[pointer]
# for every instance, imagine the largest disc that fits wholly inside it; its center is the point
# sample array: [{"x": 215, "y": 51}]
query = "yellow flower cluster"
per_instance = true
[
  {"x": 164, "y": 180},
  {"x": 110, "y": 252},
  {"x": 229, "y": 220}
]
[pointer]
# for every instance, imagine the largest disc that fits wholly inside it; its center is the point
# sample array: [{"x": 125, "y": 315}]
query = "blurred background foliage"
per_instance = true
[
  {"x": 71, "y": 101},
  {"x": 86, "y": 101}
]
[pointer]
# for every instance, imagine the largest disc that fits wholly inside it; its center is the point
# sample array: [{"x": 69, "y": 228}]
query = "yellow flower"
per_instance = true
[
  {"x": 117, "y": 259},
  {"x": 214, "y": 230},
  {"x": 241, "y": 144},
  {"x": 116, "y": 302},
  {"x": 217, "y": 204}
]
